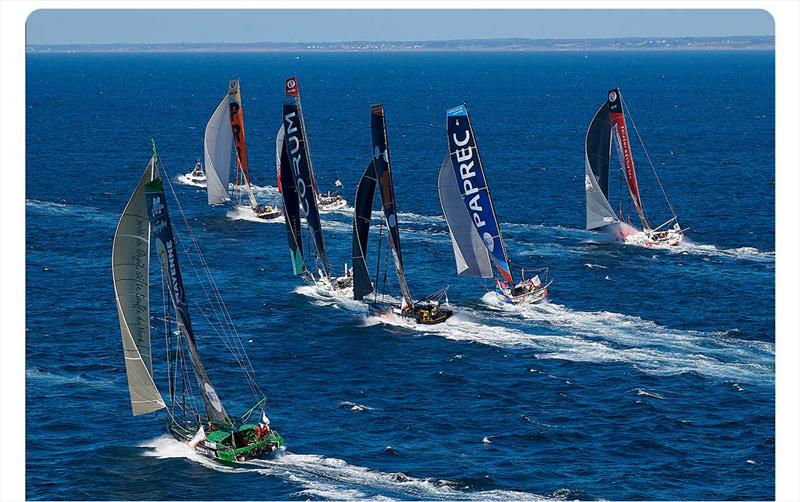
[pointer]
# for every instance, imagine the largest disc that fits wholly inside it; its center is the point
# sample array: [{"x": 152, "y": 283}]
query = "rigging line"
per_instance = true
[
  {"x": 204, "y": 263},
  {"x": 647, "y": 155},
  {"x": 165, "y": 305},
  {"x": 217, "y": 295}
]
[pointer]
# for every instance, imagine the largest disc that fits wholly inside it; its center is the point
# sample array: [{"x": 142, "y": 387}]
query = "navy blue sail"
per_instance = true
[
  {"x": 168, "y": 255},
  {"x": 300, "y": 163},
  {"x": 291, "y": 204},
  {"x": 471, "y": 181}
]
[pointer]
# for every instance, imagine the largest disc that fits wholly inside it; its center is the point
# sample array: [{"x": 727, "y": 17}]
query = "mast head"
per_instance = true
[
  {"x": 292, "y": 88},
  {"x": 614, "y": 101}
]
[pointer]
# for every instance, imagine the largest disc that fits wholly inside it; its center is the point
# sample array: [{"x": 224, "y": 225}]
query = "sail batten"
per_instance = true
[
  {"x": 217, "y": 145},
  {"x": 471, "y": 181},
  {"x": 381, "y": 160},
  {"x": 296, "y": 146},
  {"x": 130, "y": 268}
]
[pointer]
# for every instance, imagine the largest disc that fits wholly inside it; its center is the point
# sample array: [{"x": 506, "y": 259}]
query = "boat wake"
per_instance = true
[
  {"x": 334, "y": 300},
  {"x": 740, "y": 253},
  {"x": 185, "y": 180},
  {"x": 612, "y": 337},
  {"x": 332, "y": 478},
  {"x": 246, "y": 213}
]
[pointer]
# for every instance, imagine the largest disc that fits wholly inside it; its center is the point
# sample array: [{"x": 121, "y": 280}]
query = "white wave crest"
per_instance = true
[
  {"x": 333, "y": 478},
  {"x": 246, "y": 213}
]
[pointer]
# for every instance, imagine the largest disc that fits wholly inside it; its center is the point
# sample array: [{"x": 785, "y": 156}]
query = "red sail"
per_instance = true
[
  {"x": 237, "y": 126},
  {"x": 620, "y": 132}
]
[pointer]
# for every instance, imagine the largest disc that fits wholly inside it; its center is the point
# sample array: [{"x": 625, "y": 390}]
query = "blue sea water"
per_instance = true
[{"x": 649, "y": 375}]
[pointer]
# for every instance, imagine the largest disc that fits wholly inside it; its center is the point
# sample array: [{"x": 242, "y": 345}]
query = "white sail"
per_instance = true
[
  {"x": 217, "y": 146},
  {"x": 472, "y": 257},
  {"x": 130, "y": 262}
]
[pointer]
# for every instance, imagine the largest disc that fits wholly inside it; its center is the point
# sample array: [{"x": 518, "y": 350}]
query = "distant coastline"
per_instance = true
[{"x": 504, "y": 45}]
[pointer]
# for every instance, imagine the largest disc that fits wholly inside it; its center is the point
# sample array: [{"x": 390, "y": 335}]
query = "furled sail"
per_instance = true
[
  {"x": 168, "y": 255},
  {"x": 620, "y": 135},
  {"x": 472, "y": 257},
  {"x": 365, "y": 195},
  {"x": 383, "y": 170},
  {"x": 217, "y": 154},
  {"x": 297, "y": 150},
  {"x": 597, "y": 156},
  {"x": 130, "y": 268},
  {"x": 291, "y": 203},
  {"x": 471, "y": 182}
]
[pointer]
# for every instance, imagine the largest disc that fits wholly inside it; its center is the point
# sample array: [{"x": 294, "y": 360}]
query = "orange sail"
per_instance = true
[{"x": 237, "y": 126}]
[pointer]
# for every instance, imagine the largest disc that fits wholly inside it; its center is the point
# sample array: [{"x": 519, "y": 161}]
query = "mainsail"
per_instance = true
[
  {"x": 168, "y": 255},
  {"x": 381, "y": 160},
  {"x": 472, "y": 257},
  {"x": 291, "y": 203},
  {"x": 217, "y": 154},
  {"x": 130, "y": 260},
  {"x": 237, "y": 130},
  {"x": 620, "y": 135},
  {"x": 296, "y": 146},
  {"x": 597, "y": 156},
  {"x": 471, "y": 181},
  {"x": 365, "y": 194}
]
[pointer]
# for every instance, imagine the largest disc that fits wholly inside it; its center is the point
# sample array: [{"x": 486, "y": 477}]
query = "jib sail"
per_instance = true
[
  {"x": 597, "y": 156},
  {"x": 130, "y": 268},
  {"x": 383, "y": 171},
  {"x": 472, "y": 257},
  {"x": 365, "y": 194},
  {"x": 170, "y": 270},
  {"x": 471, "y": 182},
  {"x": 297, "y": 151},
  {"x": 217, "y": 154}
]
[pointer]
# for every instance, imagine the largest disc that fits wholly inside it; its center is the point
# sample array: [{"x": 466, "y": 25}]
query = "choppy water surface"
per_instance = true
[{"x": 650, "y": 374}]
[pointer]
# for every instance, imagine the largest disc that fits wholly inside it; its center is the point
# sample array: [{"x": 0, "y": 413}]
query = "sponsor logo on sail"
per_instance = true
[
  {"x": 465, "y": 171},
  {"x": 295, "y": 156},
  {"x": 612, "y": 96}
]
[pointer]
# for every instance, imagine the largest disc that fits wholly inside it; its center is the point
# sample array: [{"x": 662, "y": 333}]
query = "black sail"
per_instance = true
[
  {"x": 365, "y": 195},
  {"x": 383, "y": 170},
  {"x": 597, "y": 152},
  {"x": 291, "y": 204},
  {"x": 168, "y": 254},
  {"x": 300, "y": 163}
]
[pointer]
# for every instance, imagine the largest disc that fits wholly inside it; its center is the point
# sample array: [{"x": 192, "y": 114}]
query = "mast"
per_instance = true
[
  {"x": 381, "y": 160},
  {"x": 597, "y": 158},
  {"x": 237, "y": 130},
  {"x": 471, "y": 180},
  {"x": 362, "y": 216},
  {"x": 130, "y": 269},
  {"x": 168, "y": 255},
  {"x": 291, "y": 204},
  {"x": 296, "y": 146},
  {"x": 620, "y": 135}
]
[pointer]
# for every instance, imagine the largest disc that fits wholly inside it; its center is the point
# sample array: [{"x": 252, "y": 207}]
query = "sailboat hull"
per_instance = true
[
  {"x": 419, "y": 314},
  {"x": 222, "y": 446}
]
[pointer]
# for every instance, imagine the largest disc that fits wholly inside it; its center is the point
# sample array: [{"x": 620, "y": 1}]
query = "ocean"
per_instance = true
[{"x": 650, "y": 374}]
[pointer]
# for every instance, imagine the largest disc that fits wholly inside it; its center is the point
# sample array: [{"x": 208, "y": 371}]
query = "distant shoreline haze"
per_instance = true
[{"x": 755, "y": 42}]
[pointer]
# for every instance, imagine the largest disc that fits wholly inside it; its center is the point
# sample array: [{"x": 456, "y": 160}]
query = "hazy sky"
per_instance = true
[{"x": 150, "y": 26}]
